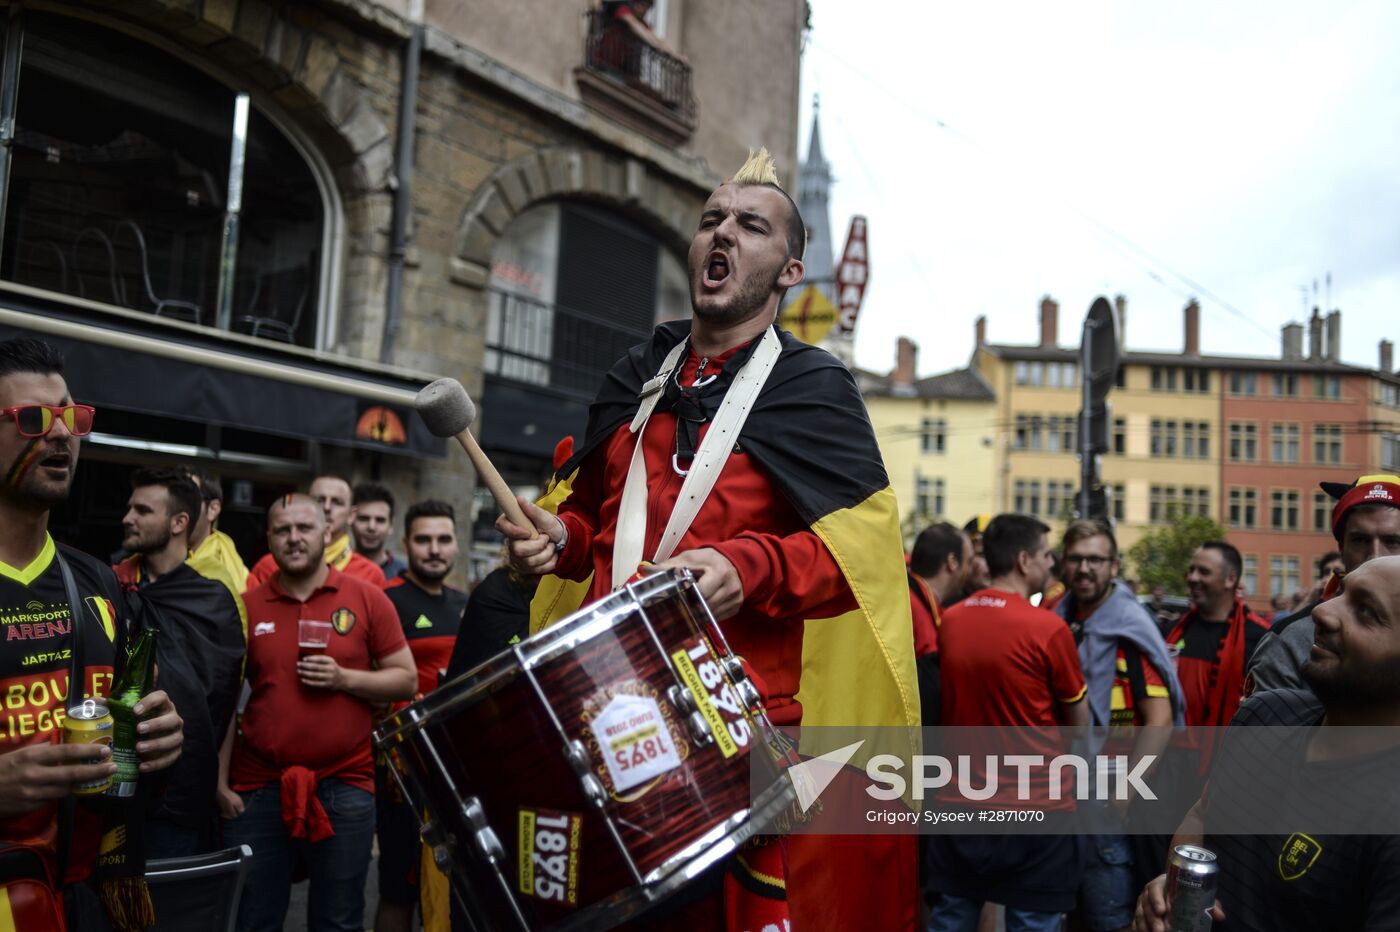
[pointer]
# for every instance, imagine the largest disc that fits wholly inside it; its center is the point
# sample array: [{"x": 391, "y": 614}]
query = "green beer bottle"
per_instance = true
[{"x": 137, "y": 679}]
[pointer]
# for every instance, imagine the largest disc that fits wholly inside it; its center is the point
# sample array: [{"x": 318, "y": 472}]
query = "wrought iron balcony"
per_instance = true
[
  {"x": 635, "y": 82},
  {"x": 545, "y": 344}
]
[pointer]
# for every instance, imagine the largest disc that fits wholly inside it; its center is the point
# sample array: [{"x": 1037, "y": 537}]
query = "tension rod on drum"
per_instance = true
[
  {"x": 732, "y": 664},
  {"x": 593, "y": 791},
  {"x": 699, "y": 728}
]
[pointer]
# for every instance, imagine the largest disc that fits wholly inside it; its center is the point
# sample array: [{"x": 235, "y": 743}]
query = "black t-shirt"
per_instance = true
[
  {"x": 35, "y": 641},
  {"x": 1203, "y": 639},
  {"x": 1302, "y": 878},
  {"x": 497, "y": 616}
]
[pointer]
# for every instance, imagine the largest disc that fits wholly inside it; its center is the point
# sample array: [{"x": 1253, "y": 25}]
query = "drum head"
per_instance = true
[{"x": 605, "y": 761}]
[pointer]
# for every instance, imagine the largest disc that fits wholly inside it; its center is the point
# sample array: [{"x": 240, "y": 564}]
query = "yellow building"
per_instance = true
[
  {"x": 1165, "y": 441},
  {"x": 937, "y": 436}
]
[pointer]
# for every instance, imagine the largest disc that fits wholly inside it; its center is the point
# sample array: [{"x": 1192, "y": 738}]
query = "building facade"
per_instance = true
[
  {"x": 1243, "y": 440},
  {"x": 937, "y": 438},
  {"x": 257, "y": 228},
  {"x": 1290, "y": 424},
  {"x": 1383, "y": 412}
]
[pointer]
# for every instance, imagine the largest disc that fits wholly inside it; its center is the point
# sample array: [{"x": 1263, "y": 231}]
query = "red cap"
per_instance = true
[{"x": 1368, "y": 490}]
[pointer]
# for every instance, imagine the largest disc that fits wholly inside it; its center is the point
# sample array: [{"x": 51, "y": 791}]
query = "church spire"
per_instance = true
[
  {"x": 814, "y": 192},
  {"x": 814, "y": 144}
]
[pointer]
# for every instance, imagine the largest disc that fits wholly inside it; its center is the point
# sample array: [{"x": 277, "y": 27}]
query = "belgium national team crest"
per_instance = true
[
  {"x": 1299, "y": 853},
  {"x": 342, "y": 619}
]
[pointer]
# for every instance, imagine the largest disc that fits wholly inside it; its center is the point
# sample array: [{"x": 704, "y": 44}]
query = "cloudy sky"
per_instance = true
[{"x": 1002, "y": 151}]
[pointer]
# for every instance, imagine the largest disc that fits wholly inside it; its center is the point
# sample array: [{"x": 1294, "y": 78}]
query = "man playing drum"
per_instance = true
[{"x": 730, "y": 448}]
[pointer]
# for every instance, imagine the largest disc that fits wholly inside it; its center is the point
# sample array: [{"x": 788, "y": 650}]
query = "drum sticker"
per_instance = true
[
  {"x": 549, "y": 849},
  {"x": 635, "y": 740},
  {"x": 714, "y": 696},
  {"x": 596, "y": 704}
]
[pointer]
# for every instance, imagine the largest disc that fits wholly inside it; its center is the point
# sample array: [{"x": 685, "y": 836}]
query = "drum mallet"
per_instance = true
[{"x": 447, "y": 410}]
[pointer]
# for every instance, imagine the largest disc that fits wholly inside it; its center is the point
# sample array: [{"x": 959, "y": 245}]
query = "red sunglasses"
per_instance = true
[{"x": 38, "y": 420}]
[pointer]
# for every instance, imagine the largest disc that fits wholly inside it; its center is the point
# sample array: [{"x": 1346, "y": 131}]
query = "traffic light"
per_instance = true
[
  {"x": 1098, "y": 364},
  {"x": 1099, "y": 502}
]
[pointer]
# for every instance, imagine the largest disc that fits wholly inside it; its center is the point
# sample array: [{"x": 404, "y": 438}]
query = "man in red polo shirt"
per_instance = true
[
  {"x": 297, "y": 785},
  {"x": 1007, "y": 663}
]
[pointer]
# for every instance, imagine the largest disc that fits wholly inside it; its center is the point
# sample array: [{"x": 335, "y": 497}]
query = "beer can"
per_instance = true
[
  {"x": 1193, "y": 876},
  {"x": 89, "y": 723}
]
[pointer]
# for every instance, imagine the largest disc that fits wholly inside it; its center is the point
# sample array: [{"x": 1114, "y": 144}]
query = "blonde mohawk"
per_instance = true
[{"x": 759, "y": 169}]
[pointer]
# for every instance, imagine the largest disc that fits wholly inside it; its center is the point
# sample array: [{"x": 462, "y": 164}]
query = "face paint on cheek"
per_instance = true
[{"x": 27, "y": 457}]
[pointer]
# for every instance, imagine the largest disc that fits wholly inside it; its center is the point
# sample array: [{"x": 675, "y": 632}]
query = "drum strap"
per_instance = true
[{"x": 704, "y": 469}]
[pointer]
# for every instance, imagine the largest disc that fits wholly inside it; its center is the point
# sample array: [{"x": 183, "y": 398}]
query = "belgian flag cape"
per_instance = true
[
  {"x": 809, "y": 430},
  {"x": 199, "y": 657}
]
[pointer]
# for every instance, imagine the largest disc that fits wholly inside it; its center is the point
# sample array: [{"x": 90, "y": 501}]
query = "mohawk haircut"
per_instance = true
[{"x": 761, "y": 170}]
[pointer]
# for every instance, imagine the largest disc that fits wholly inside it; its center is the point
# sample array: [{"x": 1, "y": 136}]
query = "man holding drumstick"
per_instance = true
[{"x": 799, "y": 522}]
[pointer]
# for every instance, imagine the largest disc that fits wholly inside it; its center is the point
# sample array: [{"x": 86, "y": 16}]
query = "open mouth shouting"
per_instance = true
[{"x": 716, "y": 269}]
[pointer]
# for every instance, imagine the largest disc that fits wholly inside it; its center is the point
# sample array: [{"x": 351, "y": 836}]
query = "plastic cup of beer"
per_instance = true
[{"x": 313, "y": 637}]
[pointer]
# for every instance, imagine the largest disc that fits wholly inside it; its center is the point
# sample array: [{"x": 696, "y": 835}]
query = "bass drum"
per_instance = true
[{"x": 592, "y": 770}]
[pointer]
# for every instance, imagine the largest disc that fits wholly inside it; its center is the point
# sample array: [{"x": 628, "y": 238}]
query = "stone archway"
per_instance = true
[{"x": 622, "y": 183}]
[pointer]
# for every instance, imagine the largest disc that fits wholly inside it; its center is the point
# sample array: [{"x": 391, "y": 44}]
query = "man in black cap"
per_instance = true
[{"x": 1366, "y": 524}]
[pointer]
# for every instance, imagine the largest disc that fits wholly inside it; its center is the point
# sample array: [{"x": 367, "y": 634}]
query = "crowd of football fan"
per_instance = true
[
  {"x": 245, "y": 717},
  {"x": 1079, "y": 647},
  {"x": 259, "y": 735}
]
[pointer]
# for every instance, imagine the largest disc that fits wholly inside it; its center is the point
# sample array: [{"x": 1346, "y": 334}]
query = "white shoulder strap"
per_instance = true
[
  {"x": 632, "y": 512},
  {"x": 704, "y": 469},
  {"x": 656, "y": 387},
  {"x": 719, "y": 441}
]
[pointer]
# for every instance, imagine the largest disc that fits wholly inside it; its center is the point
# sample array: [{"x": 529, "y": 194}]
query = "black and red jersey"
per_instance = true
[
  {"x": 1211, "y": 661},
  {"x": 430, "y": 625}
]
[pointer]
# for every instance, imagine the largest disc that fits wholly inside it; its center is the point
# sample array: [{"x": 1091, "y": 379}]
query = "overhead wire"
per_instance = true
[{"x": 1145, "y": 258}]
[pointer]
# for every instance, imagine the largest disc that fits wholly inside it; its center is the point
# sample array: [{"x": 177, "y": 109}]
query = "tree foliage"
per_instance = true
[{"x": 1162, "y": 556}]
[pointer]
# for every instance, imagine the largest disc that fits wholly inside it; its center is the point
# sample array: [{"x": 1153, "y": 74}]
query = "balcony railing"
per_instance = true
[
  {"x": 640, "y": 70},
  {"x": 539, "y": 343}
]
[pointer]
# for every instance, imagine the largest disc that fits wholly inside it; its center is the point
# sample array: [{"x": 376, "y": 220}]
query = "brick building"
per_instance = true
[
  {"x": 256, "y": 237},
  {"x": 1242, "y": 439}
]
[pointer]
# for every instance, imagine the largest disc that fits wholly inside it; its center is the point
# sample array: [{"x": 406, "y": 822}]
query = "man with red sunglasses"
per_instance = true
[
  {"x": 39, "y": 430},
  {"x": 37, "y": 420}
]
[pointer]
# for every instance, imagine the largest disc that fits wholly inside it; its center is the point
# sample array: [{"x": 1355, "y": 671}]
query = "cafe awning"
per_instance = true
[{"x": 137, "y": 362}]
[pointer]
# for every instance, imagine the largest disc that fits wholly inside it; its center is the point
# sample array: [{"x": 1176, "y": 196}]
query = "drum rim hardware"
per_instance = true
[
  {"x": 467, "y": 843},
  {"x": 685, "y": 865}
]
